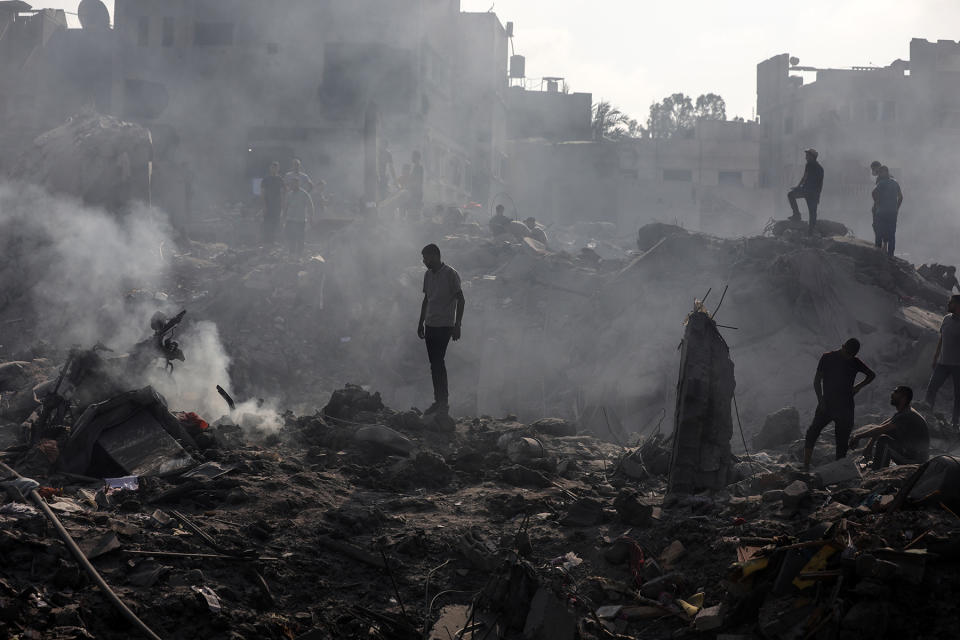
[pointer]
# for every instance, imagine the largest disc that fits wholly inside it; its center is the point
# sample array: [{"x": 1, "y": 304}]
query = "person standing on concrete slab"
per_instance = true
[
  {"x": 273, "y": 191},
  {"x": 298, "y": 211},
  {"x": 887, "y": 198},
  {"x": 809, "y": 188},
  {"x": 834, "y": 385},
  {"x": 903, "y": 439},
  {"x": 441, "y": 315},
  {"x": 946, "y": 359}
]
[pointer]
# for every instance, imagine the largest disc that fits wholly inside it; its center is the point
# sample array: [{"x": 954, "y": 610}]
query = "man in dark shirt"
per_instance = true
[
  {"x": 887, "y": 198},
  {"x": 875, "y": 172},
  {"x": 903, "y": 439},
  {"x": 273, "y": 191},
  {"x": 835, "y": 388},
  {"x": 811, "y": 184}
]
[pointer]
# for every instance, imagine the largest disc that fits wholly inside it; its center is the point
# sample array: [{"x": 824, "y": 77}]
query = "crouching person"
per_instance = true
[{"x": 903, "y": 439}]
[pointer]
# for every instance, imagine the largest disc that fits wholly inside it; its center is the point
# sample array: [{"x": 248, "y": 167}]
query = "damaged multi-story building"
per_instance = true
[
  {"x": 705, "y": 180},
  {"x": 226, "y": 88},
  {"x": 48, "y": 72}
]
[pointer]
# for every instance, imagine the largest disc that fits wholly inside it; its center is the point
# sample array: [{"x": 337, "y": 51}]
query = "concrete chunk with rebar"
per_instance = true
[{"x": 703, "y": 427}]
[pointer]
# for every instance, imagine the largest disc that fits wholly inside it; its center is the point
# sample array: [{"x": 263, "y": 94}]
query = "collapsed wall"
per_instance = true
[{"x": 702, "y": 425}]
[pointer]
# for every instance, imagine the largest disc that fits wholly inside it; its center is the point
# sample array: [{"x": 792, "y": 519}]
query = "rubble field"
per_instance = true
[
  {"x": 562, "y": 505},
  {"x": 360, "y": 521}
]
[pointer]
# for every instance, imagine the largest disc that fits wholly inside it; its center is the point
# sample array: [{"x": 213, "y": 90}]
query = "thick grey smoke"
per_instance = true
[{"x": 79, "y": 276}]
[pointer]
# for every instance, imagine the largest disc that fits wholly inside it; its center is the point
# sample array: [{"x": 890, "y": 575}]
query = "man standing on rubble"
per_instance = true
[
  {"x": 903, "y": 439},
  {"x": 946, "y": 359},
  {"x": 887, "y": 198},
  {"x": 875, "y": 172},
  {"x": 440, "y": 317},
  {"x": 835, "y": 389},
  {"x": 809, "y": 188},
  {"x": 299, "y": 209},
  {"x": 273, "y": 191}
]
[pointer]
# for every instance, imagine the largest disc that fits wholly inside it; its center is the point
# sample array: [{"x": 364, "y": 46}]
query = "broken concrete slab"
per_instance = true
[
  {"x": 779, "y": 428},
  {"x": 836, "y": 472},
  {"x": 385, "y": 437},
  {"x": 703, "y": 423}
]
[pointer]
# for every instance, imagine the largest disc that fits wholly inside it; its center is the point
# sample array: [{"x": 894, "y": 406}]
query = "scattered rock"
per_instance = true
[{"x": 779, "y": 428}]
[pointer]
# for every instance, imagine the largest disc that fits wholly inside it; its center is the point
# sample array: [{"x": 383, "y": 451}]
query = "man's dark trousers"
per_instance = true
[
  {"x": 812, "y": 202},
  {"x": 887, "y": 230},
  {"x": 841, "y": 414},
  {"x": 940, "y": 374},
  {"x": 437, "y": 339}
]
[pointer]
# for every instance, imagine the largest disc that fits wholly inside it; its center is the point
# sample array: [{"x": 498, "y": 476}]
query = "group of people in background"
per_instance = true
[
  {"x": 887, "y": 198},
  {"x": 287, "y": 202}
]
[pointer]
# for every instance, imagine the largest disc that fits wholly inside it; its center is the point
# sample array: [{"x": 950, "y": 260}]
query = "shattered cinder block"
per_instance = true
[{"x": 702, "y": 424}]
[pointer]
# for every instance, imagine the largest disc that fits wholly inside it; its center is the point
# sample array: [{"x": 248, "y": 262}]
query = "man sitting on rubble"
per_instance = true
[
  {"x": 809, "y": 188},
  {"x": 440, "y": 317},
  {"x": 834, "y": 385},
  {"x": 499, "y": 222},
  {"x": 903, "y": 439},
  {"x": 535, "y": 232},
  {"x": 887, "y": 198}
]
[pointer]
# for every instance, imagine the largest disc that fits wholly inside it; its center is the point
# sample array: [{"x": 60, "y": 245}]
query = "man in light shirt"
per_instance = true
[
  {"x": 440, "y": 317},
  {"x": 298, "y": 210}
]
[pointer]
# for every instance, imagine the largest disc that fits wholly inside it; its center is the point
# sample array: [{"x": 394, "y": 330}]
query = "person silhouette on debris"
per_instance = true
[
  {"x": 440, "y": 317},
  {"x": 834, "y": 385},
  {"x": 809, "y": 188}
]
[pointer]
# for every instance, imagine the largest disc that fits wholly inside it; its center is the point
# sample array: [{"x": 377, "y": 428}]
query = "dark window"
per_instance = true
[
  {"x": 730, "y": 178},
  {"x": 143, "y": 31},
  {"x": 167, "y": 39},
  {"x": 678, "y": 175},
  {"x": 889, "y": 112},
  {"x": 212, "y": 34}
]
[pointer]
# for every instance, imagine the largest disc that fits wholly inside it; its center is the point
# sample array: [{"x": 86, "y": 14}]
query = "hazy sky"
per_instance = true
[{"x": 633, "y": 52}]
